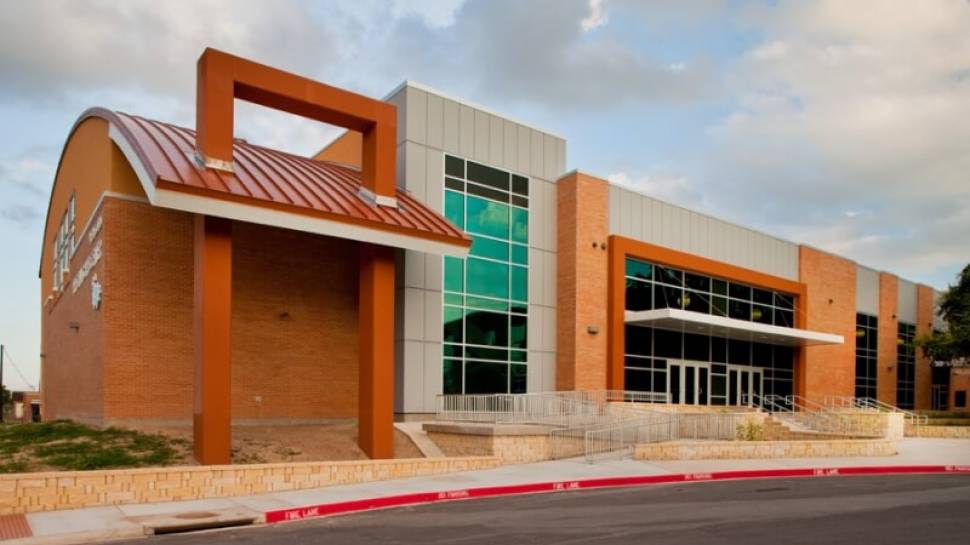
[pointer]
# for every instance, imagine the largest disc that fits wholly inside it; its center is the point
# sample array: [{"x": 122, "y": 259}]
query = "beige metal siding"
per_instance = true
[
  {"x": 907, "y": 302},
  {"x": 644, "y": 218},
  {"x": 431, "y": 125},
  {"x": 867, "y": 291}
]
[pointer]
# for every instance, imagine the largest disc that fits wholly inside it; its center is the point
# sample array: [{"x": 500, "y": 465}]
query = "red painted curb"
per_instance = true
[{"x": 328, "y": 509}]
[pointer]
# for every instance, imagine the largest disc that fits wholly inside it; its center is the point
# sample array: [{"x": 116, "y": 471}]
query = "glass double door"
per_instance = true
[
  {"x": 689, "y": 383},
  {"x": 744, "y": 385}
]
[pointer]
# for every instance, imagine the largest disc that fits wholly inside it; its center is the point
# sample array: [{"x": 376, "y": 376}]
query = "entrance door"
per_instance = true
[
  {"x": 744, "y": 385},
  {"x": 688, "y": 383}
]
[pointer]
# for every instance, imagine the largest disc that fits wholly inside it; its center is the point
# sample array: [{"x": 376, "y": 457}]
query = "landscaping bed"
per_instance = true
[{"x": 66, "y": 445}]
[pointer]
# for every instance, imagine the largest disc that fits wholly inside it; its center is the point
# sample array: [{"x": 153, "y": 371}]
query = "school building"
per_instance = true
[{"x": 436, "y": 247}]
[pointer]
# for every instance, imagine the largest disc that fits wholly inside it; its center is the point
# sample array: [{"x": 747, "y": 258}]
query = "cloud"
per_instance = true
[
  {"x": 858, "y": 106},
  {"x": 24, "y": 216},
  {"x": 597, "y": 16},
  {"x": 49, "y": 49},
  {"x": 26, "y": 173}
]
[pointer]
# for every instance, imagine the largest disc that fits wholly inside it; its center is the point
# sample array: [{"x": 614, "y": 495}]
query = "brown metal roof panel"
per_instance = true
[{"x": 269, "y": 175}]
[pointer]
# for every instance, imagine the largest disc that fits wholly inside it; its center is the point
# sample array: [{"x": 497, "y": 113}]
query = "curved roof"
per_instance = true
[{"x": 164, "y": 155}]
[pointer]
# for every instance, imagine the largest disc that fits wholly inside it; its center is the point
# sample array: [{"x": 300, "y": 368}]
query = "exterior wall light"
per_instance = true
[{"x": 592, "y": 329}]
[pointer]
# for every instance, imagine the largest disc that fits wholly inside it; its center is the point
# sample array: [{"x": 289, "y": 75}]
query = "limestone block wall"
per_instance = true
[
  {"x": 31, "y": 492},
  {"x": 730, "y": 450}
]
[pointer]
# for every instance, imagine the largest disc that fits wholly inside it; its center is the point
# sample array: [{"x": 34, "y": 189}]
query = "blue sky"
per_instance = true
[{"x": 837, "y": 124}]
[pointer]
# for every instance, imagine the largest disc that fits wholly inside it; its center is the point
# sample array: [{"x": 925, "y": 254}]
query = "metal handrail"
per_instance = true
[{"x": 622, "y": 437}]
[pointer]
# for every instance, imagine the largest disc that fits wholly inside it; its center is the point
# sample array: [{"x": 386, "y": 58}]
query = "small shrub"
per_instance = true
[{"x": 750, "y": 431}]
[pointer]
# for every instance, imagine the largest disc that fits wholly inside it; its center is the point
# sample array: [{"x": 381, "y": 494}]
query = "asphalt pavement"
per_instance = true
[{"x": 844, "y": 510}]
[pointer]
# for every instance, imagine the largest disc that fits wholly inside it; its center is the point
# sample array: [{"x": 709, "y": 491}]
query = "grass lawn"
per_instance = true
[{"x": 65, "y": 445}]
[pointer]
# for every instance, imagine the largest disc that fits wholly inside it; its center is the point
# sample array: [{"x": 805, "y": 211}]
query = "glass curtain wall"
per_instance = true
[
  {"x": 866, "y": 357},
  {"x": 905, "y": 366},
  {"x": 650, "y": 351},
  {"x": 486, "y": 294}
]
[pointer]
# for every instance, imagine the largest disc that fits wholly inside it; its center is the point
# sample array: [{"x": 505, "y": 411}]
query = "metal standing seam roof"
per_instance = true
[{"x": 266, "y": 177}]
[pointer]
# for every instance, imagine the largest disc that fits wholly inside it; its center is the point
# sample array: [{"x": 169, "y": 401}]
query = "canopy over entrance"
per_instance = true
[{"x": 719, "y": 326}]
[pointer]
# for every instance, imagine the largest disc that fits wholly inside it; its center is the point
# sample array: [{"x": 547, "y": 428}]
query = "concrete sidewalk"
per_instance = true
[{"x": 126, "y": 521}]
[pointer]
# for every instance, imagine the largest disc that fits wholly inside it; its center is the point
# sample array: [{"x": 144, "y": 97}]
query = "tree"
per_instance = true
[{"x": 954, "y": 343}]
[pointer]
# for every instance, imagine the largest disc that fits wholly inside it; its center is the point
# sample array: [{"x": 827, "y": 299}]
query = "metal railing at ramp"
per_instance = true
[{"x": 620, "y": 438}]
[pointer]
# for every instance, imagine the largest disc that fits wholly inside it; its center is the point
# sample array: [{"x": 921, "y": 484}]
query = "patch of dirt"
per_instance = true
[{"x": 294, "y": 443}]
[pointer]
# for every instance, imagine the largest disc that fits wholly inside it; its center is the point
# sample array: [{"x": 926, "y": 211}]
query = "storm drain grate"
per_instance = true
[{"x": 195, "y": 521}]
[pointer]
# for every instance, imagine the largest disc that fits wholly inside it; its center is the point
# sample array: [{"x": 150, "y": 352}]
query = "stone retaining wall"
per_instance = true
[
  {"x": 940, "y": 432},
  {"x": 729, "y": 450},
  {"x": 508, "y": 449},
  {"x": 28, "y": 492}
]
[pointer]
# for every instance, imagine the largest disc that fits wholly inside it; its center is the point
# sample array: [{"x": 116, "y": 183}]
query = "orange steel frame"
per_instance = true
[
  {"x": 221, "y": 79},
  {"x": 621, "y": 247}
]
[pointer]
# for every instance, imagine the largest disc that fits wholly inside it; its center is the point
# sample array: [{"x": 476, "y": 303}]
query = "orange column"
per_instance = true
[
  {"x": 376, "y": 352},
  {"x": 213, "y": 296}
]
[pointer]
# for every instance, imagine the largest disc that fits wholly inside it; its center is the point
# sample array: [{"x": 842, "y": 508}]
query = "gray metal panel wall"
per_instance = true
[
  {"x": 430, "y": 125},
  {"x": 906, "y": 311},
  {"x": 644, "y": 218},
  {"x": 867, "y": 290}
]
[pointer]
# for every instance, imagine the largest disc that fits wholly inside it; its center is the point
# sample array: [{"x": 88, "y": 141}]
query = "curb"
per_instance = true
[{"x": 423, "y": 498}]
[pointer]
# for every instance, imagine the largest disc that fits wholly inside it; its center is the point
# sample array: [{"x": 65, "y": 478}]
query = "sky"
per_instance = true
[{"x": 843, "y": 125}]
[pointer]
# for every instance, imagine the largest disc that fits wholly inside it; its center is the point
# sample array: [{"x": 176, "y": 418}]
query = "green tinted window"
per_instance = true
[
  {"x": 487, "y": 247},
  {"x": 520, "y": 284},
  {"x": 453, "y": 325},
  {"x": 639, "y": 269},
  {"x": 488, "y": 218},
  {"x": 455, "y": 208},
  {"x": 452, "y": 383},
  {"x": 488, "y": 278},
  {"x": 454, "y": 274},
  {"x": 520, "y": 254},
  {"x": 486, "y": 294},
  {"x": 520, "y": 225}
]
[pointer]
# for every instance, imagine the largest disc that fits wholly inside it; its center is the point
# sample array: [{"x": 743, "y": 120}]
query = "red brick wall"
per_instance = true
[
  {"x": 888, "y": 333},
  {"x": 147, "y": 312},
  {"x": 71, "y": 372},
  {"x": 582, "y": 278},
  {"x": 831, "y": 307},
  {"x": 294, "y": 344},
  {"x": 924, "y": 325},
  {"x": 959, "y": 380},
  {"x": 294, "y": 325}
]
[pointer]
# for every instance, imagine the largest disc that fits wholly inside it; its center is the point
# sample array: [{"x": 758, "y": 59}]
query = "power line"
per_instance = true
[{"x": 17, "y": 369}]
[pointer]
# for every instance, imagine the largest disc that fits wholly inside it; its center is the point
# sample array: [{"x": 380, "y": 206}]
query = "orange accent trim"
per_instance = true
[
  {"x": 345, "y": 150},
  {"x": 314, "y": 213},
  {"x": 223, "y": 77},
  {"x": 622, "y": 247},
  {"x": 376, "y": 339},
  {"x": 212, "y": 425}
]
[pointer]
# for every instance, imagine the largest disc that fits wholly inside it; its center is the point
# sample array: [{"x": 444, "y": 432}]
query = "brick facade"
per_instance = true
[
  {"x": 582, "y": 278},
  {"x": 830, "y": 306},
  {"x": 294, "y": 336},
  {"x": 888, "y": 333},
  {"x": 925, "y": 305}
]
